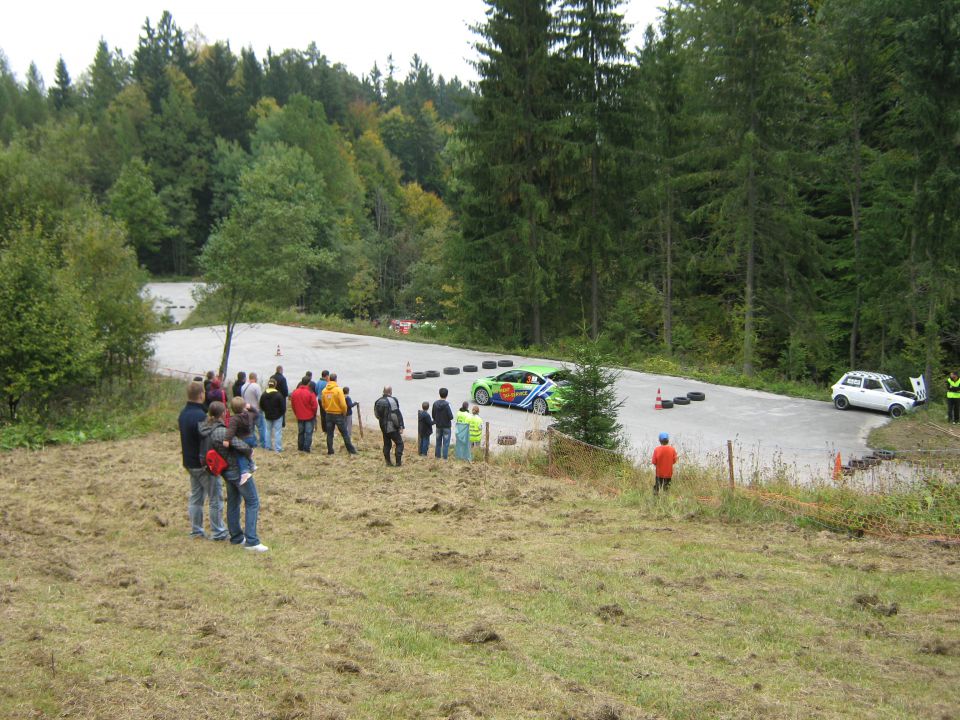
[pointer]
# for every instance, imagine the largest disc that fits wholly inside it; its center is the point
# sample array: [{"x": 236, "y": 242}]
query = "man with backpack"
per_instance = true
[
  {"x": 387, "y": 411},
  {"x": 202, "y": 484}
]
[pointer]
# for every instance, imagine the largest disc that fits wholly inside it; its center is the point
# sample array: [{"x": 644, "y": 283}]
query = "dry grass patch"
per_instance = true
[{"x": 442, "y": 590}]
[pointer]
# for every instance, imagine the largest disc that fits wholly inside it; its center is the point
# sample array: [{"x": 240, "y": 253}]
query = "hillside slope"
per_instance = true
[{"x": 446, "y": 591}]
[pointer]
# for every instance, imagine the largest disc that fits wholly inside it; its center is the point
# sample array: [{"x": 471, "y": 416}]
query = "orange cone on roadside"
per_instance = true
[
  {"x": 837, "y": 468},
  {"x": 409, "y": 372},
  {"x": 659, "y": 403}
]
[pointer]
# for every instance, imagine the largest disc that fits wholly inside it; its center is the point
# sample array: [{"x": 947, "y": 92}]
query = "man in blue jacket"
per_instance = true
[{"x": 202, "y": 483}]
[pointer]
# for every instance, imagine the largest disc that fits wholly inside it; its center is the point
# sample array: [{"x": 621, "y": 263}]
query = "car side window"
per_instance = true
[
  {"x": 871, "y": 384},
  {"x": 511, "y": 376},
  {"x": 852, "y": 382}
]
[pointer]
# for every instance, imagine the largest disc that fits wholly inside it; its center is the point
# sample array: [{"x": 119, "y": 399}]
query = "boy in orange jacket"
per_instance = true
[{"x": 664, "y": 458}]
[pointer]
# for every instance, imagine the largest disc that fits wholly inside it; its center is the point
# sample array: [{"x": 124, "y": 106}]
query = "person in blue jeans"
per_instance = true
[
  {"x": 424, "y": 428},
  {"x": 237, "y": 490},
  {"x": 442, "y": 415}
]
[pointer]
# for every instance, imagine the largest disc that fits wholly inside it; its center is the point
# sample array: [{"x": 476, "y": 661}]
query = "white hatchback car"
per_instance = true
[{"x": 874, "y": 391}]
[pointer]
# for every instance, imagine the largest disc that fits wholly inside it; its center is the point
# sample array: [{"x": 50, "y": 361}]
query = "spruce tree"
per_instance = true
[
  {"x": 592, "y": 36},
  {"x": 590, "y": 405},
  {"x": 510, "y": 252}
]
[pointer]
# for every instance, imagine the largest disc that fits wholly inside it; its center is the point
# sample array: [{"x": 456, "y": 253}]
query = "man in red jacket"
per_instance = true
[{"x": 304, "y": 403}]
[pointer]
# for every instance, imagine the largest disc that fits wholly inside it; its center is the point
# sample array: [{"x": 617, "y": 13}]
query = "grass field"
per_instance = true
[{"x": 447, "y": 591}]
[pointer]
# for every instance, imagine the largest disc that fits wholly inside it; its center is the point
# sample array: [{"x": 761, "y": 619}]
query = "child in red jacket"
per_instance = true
[{"x": 664, "y": 458}]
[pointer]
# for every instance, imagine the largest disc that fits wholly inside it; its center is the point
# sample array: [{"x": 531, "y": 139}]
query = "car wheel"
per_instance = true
[
  {"x": 489, "y": 364},
  {"x": 469, "y": 368},
  {"x": 667, "y": 404},
  {"x": 418, "y": 375},
  {"x": 505, "y": 363},
  {"x": 840, "y": 402},
  {"x": 681, "y": 400},
  {"x": 482, "y": 396},
  {"x": 696, "y": 395},
  {"x": 432, "y": 373},
  {"x": 896, "y": 411},
  {"x": 540, "y": 406}
]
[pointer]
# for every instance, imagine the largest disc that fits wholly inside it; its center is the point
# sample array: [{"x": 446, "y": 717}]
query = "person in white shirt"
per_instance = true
[{"x": 251, "y": 393}]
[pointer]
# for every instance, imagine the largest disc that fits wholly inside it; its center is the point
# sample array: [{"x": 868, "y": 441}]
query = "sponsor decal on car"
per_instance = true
[
  {"x": 541, "y": 391},
  {"x": 508, "y": 392}
]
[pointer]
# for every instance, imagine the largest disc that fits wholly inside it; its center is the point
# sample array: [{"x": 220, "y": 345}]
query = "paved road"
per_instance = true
[
  {"x": 175, "y": 298},
  {"x": 771, "y": 433}
]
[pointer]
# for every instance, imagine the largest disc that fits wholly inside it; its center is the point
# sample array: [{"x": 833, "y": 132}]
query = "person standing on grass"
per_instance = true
[
  {"x": 202, "y": 484},
  {"x": 476, "y": 429},
  {"x": 237, "y": 389},
  {"x": 387, "y": 411},
  {"x": 274, "y": 406},
  {"x": 664, "y": 458},
  {"x": 335, "y": 406},
  {"x": 424, "y": 429},
  {"x": 351, "y": 404},
  {"x": 251, "y": 396},
  {"x": 953, "y": 398},
  {"x": 304, "y": 404},
  {"x": 462, "y": 448},
  {"x": 281, "y": 381},
  {"x": 442, "y": 415},
  {"x": 215, "y": 433},
  {"x": 214, "y": 394},
  {"x": 321, "y": 384}
]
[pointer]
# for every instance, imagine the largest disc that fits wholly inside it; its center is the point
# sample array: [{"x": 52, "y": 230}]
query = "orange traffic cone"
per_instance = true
[
  {"x": 279, "y": 354},
  {"x": 837, "y": 468},
  {"x": 409, "y": 372},
  {"x": 659, "y": 403}
]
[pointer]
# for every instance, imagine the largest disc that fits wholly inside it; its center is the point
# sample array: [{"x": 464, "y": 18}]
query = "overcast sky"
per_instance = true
[{"x": 356, "y": 33}]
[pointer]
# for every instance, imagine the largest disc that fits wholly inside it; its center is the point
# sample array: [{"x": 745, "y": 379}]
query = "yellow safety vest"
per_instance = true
[
  {"x": 953, "y": 388},
  {"x": 476, "y": 428}
]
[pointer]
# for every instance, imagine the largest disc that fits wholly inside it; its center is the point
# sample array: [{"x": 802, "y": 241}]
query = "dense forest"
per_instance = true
[{"x": 767, "y": 184}]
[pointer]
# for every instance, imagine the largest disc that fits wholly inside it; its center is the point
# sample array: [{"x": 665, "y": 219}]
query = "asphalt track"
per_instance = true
[{"x": 772, "y": 434}]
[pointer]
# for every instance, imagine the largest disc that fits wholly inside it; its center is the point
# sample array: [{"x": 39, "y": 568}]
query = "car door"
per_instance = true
[
  {"x": 506, "y": 385},
  {"x": 873, "y": 395}
]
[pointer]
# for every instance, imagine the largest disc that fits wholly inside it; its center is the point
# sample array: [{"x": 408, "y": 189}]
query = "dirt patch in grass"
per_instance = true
[{"x": 442, "y": 590}]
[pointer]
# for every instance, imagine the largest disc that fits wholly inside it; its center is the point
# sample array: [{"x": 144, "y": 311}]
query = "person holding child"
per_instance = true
[{"x": 214, "y": 434}]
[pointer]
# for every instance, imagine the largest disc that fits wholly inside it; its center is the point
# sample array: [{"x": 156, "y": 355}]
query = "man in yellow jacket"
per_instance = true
[
  {"x": 335, "y": 406},
  {"x": 953, "y": 398}
]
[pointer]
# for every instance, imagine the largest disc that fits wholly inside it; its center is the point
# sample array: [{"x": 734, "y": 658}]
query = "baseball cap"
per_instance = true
[{"x": 664, "y": 436}]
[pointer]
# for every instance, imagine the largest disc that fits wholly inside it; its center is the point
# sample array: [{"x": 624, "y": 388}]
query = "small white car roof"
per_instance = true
[{"x": 867, "y": 374}]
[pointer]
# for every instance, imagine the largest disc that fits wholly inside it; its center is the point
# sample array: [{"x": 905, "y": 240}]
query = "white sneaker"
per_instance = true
[{"x": 256, "y": 548}]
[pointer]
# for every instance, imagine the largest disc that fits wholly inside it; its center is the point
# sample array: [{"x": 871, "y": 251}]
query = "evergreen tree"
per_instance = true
[
  {"x": 592, "y": 37},
  {"x": 510, "y": 251},
  {"x": 62, "y": 93},
  {"x": 752, "y": 74},
  {"x": 590, "y": 405},
  {"x": 106, "y": 77}
]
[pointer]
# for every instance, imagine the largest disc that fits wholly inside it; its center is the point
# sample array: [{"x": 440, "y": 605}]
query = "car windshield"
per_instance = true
[
  {"x": 560, "y": 377},
  {"x": 892, "y": 385}
]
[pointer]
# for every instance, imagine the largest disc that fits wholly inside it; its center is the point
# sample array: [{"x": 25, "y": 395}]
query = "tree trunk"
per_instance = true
[
  {"x": 535, "y": 299},
  {"x": 668, "y": 271},
  {"x": 855, "y": 218},
  {"x": 749, "y": 280}
]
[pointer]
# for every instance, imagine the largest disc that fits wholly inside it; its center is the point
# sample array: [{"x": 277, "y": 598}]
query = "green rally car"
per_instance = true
[{"x": 531, "y": 387}]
